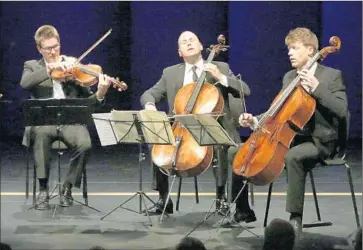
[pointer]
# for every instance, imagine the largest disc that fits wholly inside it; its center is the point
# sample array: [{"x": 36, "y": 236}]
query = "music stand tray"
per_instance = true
[
  {"x": 134, "y": 127},
  {"x": 43, "y": 112}
]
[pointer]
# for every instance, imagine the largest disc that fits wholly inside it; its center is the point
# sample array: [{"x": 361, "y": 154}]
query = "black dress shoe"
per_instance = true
[
  {"x": 297, "y": 227},
  {"x": 66, "y": 198},
  {"x": 222, "y": 207},
  {"x": 247, "y": 217},
  {"x": 42, "y": 200},
  {"x": 158, "y": 208}
]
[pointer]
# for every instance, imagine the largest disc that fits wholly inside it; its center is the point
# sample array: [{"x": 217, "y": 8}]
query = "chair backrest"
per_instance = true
[{"x": 343, "y": 135}]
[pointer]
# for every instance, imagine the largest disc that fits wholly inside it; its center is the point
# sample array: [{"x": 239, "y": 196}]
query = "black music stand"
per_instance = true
[
  {"x": 208, "y": 132},
  {"x": 58, "y": 112},
  {"x": 134, "y": 127}
]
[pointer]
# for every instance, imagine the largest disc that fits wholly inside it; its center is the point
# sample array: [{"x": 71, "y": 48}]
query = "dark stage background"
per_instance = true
[{"x": 144, "y": 41}]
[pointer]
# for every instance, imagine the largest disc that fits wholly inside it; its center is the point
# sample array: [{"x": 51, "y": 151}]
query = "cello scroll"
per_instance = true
[{"x": 335, "y": 43}]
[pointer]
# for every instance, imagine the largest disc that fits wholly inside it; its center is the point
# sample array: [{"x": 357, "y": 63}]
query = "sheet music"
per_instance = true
[
  {"x": 104, "y": 129},
  {"x": 120, "y": 127},
  {"x": 205, "y": 129},
  {"x": 156, "y": 127},
  {"x": 123, "y": 123}
]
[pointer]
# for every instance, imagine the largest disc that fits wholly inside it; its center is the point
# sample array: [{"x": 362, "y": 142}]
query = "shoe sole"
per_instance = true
[{"x": 42, "y": 208}]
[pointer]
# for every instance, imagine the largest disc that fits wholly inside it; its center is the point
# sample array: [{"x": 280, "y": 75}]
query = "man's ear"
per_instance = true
[
  {"x": 39, "y": 49},
  {"x": 311, "y": 51},
  {"x": 179, "y": 53},
  {"x": 201, "y": 46}
]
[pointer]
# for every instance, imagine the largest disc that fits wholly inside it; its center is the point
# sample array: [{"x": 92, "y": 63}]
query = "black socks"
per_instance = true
[
  {"x": 43, "y": 184},
  {"x": 296, "y": 216},
  {"x": 67, "y": 184},
  {"x": 221, "y": 193}
]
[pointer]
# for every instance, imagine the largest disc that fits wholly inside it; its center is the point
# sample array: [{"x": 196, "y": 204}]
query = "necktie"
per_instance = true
[{"x": 195, "y": 76}]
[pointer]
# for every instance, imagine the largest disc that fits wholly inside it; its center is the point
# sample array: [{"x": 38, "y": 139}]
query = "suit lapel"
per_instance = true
[
  {"x": 208, "y": 77},
  {"x": 47, "y": 82},
  {"x": 319, "y": 72},
  {"x": 179, "y": 77}
]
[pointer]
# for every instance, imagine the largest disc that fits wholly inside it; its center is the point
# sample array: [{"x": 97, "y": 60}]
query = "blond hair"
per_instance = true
[
  {"x": 303, "y": 35},
  {"x": 45, "y": 32}
]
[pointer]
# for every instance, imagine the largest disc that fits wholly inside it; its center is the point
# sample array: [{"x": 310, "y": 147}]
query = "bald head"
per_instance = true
[
  {"x": 186, "y": 36},
  {"x": 189, "y": 47}
]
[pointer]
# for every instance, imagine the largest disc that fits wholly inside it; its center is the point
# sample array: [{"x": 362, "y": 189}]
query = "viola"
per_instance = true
[{"x": 85, "y": 75}]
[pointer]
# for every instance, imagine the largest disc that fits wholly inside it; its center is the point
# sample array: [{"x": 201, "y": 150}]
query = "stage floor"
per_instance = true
[{"x": 113, "y": 177}]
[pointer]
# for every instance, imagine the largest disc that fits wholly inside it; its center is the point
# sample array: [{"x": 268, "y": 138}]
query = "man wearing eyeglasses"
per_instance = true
[{"x": 36, "y": 79}]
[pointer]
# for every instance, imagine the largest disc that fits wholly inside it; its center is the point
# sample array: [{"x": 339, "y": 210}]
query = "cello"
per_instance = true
[
  {"x": 261, "y": 157},
  {"x": 189, "y": 158}
]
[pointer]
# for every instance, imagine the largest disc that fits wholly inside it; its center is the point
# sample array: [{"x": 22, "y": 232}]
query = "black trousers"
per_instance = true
[
  {"x": 225, "y": 158},
  {"x": 300, "y": 159},
  {"x": 76, "y": 137}
]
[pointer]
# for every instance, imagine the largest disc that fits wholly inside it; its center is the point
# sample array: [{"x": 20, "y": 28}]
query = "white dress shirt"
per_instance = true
[
  {"x": 58, "y": 92},
  {"x": 188, "y": 74}
]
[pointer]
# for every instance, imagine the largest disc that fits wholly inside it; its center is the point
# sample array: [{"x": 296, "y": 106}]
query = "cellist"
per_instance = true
[
  {"x": 174, "y": 78},
  {"x": 319, "y": 138}
]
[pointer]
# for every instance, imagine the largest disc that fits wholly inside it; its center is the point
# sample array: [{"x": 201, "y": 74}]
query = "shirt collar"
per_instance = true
[{"x": 199, "y": 64}]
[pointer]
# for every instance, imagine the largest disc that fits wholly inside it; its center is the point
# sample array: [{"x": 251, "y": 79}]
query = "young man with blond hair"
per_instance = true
[{"x": 319, "y": 138}]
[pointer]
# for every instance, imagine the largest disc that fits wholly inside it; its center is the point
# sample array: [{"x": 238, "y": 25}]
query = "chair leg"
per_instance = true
[
  {"x": 320, "y": 223},
  {"x": 252, "y": 195},
  {"x": 196, "y": 190},
  {"x": 27, "y": 174},
  {"x": 85, "y": 193},
  {"x": 34, "y": 183},
  {"x": 178, "y": 196},
  {"x": 315, "y": 196},
  {"x": 268, "y": 204},
  {"x": 353, "y": 194}
]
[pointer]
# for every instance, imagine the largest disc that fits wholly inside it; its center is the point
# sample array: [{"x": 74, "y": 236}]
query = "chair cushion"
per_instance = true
[{"x": 333, "y": 162}]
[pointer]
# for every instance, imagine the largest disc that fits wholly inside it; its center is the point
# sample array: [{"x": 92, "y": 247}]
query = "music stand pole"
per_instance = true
[
  {"x": 59, "y": 153},
  {"x": 139, "y": 193},
  {"x": 173, "y": 172},
  {"x": 220, "y": 138}
]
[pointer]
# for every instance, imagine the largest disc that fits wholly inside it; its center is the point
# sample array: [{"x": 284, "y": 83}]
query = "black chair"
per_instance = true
[
  {"x": 337, "y": 160},
  {"x": 197, "y": 193},
  {"x": 179, "y": 190}
]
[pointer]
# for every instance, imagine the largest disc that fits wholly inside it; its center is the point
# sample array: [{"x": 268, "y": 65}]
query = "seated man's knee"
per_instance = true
[
  {"x": 84, "y": 145},
  {"x": 291, "y": 157}
]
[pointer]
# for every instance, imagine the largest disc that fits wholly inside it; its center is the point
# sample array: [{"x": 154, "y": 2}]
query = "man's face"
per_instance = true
[
  {"x": 50, "y": 49},
  {"x": 299, "y": 54},
  {"x": 189, "y": 45}
]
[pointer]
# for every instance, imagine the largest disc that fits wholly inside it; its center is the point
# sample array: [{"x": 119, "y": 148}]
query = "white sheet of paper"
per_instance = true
[{"x": 104, "y": 129}]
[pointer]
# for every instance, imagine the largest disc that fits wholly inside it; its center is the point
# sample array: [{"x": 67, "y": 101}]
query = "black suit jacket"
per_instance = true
[
  {"x": 331, "y": 107},
  {"x": 172, "y": 80}
]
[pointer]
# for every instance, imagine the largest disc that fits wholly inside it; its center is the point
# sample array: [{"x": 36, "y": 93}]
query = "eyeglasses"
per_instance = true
[{"x": 49, "y": 49}]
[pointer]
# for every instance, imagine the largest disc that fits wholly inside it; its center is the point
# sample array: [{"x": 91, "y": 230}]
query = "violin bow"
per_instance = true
[
  {"x": 93, "y": 46},
  {"x": 242, "y": 94}
]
